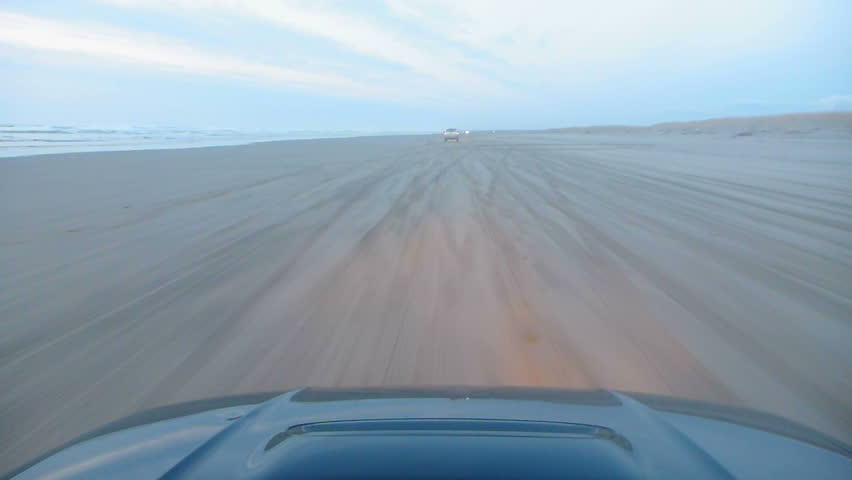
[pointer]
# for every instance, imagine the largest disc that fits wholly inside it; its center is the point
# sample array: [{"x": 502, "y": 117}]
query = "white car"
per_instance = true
[{"x": 451, "y": 134}]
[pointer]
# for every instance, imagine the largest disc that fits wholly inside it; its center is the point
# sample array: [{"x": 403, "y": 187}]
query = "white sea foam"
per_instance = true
[{"x": 32, "y": 139}]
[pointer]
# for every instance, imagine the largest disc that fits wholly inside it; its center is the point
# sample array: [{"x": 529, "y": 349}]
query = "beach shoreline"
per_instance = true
[{"x": 699, "y": 266}]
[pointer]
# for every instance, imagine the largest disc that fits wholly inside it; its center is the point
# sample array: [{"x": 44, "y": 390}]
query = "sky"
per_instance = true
[{"x": 411, "y": 65}]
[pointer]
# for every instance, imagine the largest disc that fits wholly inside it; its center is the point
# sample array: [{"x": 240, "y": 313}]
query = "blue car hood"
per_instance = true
[{"x": 449, "y": 432}]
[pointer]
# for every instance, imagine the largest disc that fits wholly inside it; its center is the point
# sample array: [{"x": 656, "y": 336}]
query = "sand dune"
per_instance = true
[{"x": 824, "y": 124}]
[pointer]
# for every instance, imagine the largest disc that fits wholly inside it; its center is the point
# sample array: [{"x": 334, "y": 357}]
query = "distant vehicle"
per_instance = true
[
  {"x": 454, "y": 432},
  {"x": 451, "y": 134},
  {"x": 467, "y": 132}
]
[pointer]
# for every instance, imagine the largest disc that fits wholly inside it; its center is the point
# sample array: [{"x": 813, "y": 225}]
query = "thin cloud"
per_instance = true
[
  {"x": 108, "y": 44},
  {"x": 559, "y": 33},
  {"x": 556, "y": 57},
  {"x": 835, "y": 102},
  {"x": 473, "y": 49},
  {"x": 348, "y": 30}
]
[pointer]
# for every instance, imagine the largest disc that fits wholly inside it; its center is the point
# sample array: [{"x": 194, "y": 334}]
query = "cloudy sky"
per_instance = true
[{"x": 419, "y": 65}]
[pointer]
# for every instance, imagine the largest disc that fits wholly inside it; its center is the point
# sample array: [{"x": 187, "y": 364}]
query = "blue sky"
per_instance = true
[{"x": 418, "y": 65}]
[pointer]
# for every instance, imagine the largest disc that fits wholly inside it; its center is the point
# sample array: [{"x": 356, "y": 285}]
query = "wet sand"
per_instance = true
[{"x": 702, "y": 266}]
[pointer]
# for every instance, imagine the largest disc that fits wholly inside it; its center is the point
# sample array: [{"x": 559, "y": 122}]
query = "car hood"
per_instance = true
[{"x": 528, "y": 432}]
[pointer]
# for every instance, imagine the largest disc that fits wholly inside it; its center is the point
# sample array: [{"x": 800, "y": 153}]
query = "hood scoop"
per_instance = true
[{"x": 442, "y": 448}]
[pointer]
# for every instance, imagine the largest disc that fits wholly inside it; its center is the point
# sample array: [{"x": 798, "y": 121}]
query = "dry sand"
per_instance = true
[{"x": 704, "y": 266}]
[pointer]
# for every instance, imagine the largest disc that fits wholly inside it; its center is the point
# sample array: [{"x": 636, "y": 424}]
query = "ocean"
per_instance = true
[{"x": 32, "y": 139}]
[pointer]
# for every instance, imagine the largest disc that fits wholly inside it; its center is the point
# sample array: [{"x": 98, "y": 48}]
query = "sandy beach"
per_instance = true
[{"x": 701, "y": 264}]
